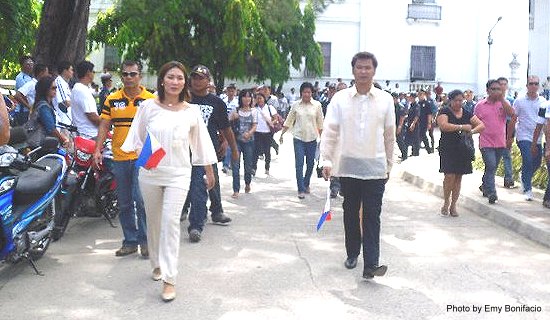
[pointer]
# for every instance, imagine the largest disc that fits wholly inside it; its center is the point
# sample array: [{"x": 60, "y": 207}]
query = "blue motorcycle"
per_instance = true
[{"x": 30, "y": 198}]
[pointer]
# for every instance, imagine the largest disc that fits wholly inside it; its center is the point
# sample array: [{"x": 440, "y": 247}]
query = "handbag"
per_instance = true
[
  {"x": 35, "y": 130},
  {"x": 466, "y": 145},
  {"x": 276, "y": 120}
]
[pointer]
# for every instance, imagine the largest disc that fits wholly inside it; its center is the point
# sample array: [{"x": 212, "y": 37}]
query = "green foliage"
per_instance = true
[
  {"x": 540, "y": 178},
  {"x": 19, "y": 20},
  {"x": 238, "y": 39}
]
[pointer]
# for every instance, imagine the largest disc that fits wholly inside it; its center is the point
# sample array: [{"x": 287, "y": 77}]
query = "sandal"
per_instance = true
[{"x": 235, "y": 195}]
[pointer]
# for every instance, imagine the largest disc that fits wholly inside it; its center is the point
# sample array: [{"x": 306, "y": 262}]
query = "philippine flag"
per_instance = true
[
  {"x": 327, "y": 215},
  {"x": 151, "y": 154}
]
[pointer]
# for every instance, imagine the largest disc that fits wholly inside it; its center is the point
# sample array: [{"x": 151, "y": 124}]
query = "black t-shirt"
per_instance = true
[
  {"x": 214, "y": 114},
  {"x": 425, "y": 111}
]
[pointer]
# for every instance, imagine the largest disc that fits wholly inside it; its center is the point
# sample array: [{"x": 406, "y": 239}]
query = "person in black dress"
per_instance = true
[{"x": 454, "y": 121}]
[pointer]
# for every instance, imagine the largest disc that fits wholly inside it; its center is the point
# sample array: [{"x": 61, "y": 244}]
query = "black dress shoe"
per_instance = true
[
  {"x": 378, "y": 271},
  {"x": 350, "y": 263}
]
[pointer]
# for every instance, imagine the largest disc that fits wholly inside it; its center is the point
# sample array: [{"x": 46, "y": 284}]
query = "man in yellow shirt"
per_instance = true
[{"x": 119, "y": 110}]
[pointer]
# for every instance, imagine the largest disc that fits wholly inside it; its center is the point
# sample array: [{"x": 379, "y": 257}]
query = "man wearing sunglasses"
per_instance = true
[
  {"x": 119, "y": 110},
  {"x": 526, "y": 118}
]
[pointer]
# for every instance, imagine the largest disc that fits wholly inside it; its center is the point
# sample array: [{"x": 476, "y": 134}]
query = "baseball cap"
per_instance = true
[{"x": 201, "y": 70}]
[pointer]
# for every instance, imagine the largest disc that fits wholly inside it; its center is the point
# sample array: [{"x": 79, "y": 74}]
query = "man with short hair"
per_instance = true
[
  {"x": 525, "y": 119},
  {"x": 357, "y": 145},
  {"x": 510, "y": 132},
  {"x": 214, "y": 112},
  {"x": 232, "y": 103},
  {"x": 26, "y": 94},
  {"x": 84, "y": 108},
  {"x": 26, "y": 73},
  {"x": 106, "y": 89},
  {"x": 62, "y": 99},
  {"x": 492, "y": 111},
  {"x": 119, "y": 110}
]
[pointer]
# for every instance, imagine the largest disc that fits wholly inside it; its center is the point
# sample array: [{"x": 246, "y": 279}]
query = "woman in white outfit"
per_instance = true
[{"x": 179, "y": 127}]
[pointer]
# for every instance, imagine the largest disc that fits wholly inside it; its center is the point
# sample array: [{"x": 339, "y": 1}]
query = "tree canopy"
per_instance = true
[
  {"x": 237, "y": 39},
  {"x": 19, "y": 20}
]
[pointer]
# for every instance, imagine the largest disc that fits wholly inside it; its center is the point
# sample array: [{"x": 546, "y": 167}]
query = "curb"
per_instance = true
[{"x": 507, "y": 218}]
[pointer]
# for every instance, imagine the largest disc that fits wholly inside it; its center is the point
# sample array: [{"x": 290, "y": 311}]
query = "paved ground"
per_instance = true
[{"x": 272, "y": 264}]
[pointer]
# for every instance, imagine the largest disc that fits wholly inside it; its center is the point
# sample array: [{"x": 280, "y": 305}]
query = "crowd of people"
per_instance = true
[{"x": 197, "y": 129}]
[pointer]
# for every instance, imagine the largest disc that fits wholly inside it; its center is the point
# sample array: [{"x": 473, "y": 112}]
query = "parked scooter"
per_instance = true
[
  {"x": 30, "y": 199},
  {"x": 94, "y": 194}
]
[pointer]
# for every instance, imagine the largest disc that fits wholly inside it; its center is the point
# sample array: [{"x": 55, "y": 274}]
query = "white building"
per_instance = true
[{"x": 422, "y": 42}]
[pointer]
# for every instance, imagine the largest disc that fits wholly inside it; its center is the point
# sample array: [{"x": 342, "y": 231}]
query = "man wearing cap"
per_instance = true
[
  {"x": 214, "y": 112},
  {"x": 106, "y": 89},
  {"x": 119, "y": 110}
]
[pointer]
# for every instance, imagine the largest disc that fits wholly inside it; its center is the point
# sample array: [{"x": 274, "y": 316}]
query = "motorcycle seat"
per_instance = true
[{"x": 34, "y": 183}]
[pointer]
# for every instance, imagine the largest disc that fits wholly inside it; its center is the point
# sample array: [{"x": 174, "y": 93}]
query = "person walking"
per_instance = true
[
  {"x": 492, "y": 111},
  {"x": 179, "y": 127},
  {"x": 525, "y": 121},
  {"x": 453, "y": 122},
  {"x": 305, "y": 120},
  {"x": 118, "y": 111},
  {"x": 357, "y": 145},
  {"x": 244, "y": 120},
  {"x": 214, "y": 114},
  {"x": 263, "y": 135}
]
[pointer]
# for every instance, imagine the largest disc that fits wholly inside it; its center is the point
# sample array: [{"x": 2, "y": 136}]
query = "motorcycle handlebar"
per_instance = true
[
  {"x": 39, "y": 167},
  {"x": 69, "y": 127}
]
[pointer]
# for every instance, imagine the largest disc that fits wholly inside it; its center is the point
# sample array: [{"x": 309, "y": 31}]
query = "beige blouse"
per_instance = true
[{"x": 305, "y": 120}]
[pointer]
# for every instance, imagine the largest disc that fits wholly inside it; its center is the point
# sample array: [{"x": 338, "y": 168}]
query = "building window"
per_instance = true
[
  {"x": 112, "y": 59},
  {"x": 424, "y": 11},
  {"x": 326, "y": 49},
  {"x": 422, "y": 63}
]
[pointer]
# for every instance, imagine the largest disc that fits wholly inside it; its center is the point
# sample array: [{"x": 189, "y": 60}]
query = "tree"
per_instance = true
[
  {"x": 237, "y": 39},
  {"x": 19, "y": 20},
  {"x": 63, "y": 30}
]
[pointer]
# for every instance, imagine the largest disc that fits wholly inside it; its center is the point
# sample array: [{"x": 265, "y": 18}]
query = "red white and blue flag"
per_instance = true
[
  {"x": 327, "y": 214},
  {"x": 151, "y": 154}
]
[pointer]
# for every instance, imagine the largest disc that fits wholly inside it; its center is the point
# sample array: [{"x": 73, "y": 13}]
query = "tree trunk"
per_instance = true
[{"x": 62, "y": 32}]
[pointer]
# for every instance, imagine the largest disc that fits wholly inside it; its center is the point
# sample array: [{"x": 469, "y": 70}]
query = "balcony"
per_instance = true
[{"x": 421, "y": 11}]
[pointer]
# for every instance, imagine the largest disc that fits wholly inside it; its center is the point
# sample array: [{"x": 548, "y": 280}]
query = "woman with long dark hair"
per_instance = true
[
  {"x": 454, "y": 121},
  {"x": 178, "y": 127},
  {"x": 43, "y": 111},
  {"x": 244, "y": 121}
]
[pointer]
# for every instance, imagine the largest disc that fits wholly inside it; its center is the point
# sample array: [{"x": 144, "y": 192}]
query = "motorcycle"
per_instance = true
[
  {"x": 93, "y": 194},
  {"x": 30, "y": 198}
]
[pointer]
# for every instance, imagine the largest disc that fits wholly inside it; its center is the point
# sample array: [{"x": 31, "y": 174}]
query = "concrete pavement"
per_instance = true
[
  {"x": 528, "y": 218},
  {"x": 270, "y": 263}
]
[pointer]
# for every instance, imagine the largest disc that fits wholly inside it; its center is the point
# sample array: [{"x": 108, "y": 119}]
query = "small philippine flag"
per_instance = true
[
  {"x": 327, "y": 215},
  {"x": 151, "y": 154}
]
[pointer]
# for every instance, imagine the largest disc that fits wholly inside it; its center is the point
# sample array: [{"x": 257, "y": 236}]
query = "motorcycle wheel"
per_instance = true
[
  {"x": 61, "y": 219},
  {"x": 38, "y": 251}
]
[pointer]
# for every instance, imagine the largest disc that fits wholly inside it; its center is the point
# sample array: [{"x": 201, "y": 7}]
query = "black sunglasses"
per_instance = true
[{"x": 129, "y": 74}]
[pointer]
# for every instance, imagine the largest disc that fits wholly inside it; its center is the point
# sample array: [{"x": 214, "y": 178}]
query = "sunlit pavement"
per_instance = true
[{"x": 270, "y": 263}]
